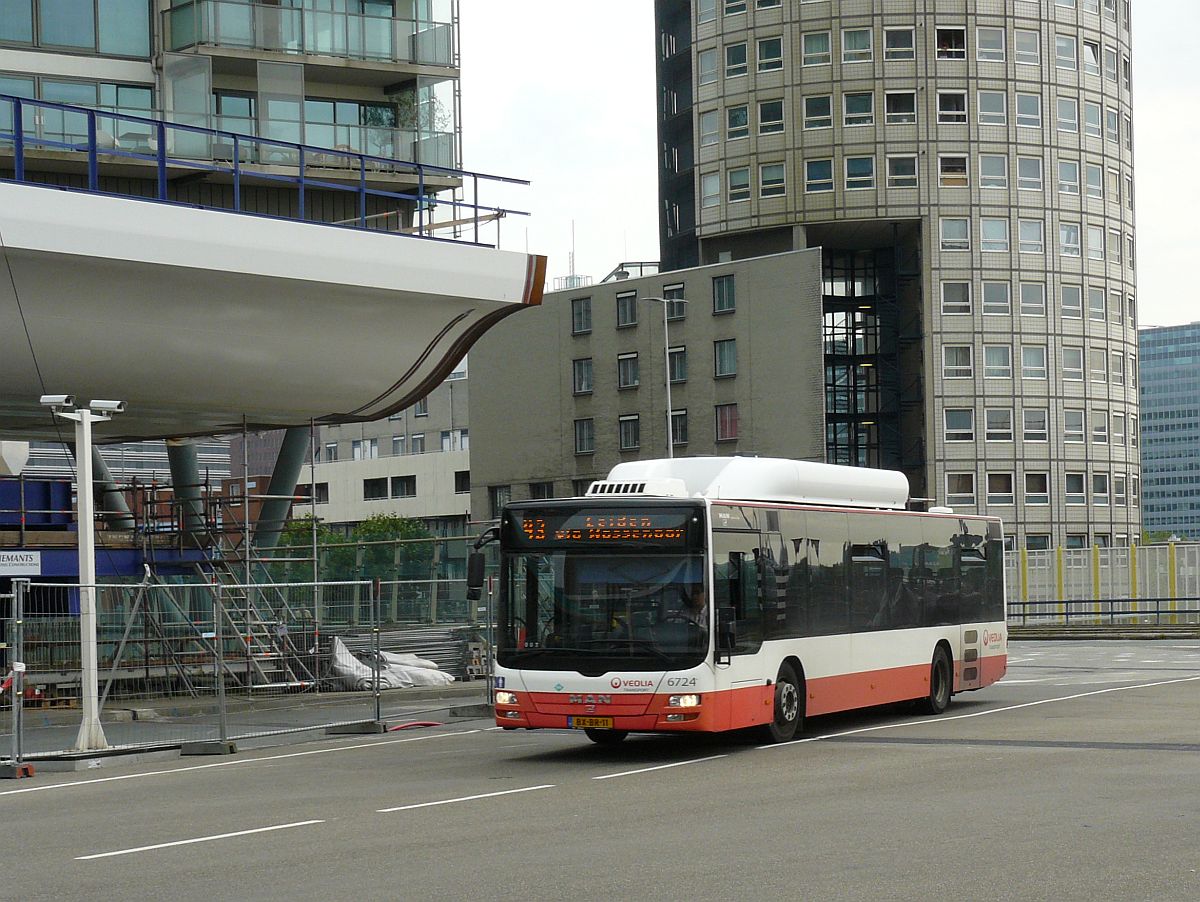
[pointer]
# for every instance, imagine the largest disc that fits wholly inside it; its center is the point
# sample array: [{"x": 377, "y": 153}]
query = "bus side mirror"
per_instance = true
[
  {"x": 726, "y": 634},
  {"x": 475, "y": 567}
]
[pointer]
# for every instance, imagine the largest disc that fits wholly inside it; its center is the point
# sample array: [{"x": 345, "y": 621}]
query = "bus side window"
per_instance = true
[
  {"x": 906, "y": 585},
  {"x": 828, "y": 535},
  {"x": 943, "y": 590}
]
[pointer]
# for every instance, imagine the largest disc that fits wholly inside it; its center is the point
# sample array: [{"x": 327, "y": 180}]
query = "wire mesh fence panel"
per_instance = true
[
  {"x": 155, "y": 667},
  {"x": 291, "y": 670},
  {"x": 1154, "y": 572},
  {"x": 8, "y": 688}
]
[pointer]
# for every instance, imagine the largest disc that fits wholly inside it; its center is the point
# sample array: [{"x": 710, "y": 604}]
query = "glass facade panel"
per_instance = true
[
  {"x": 124, "y": 27},
  {"x": 16, "y": 21},
  {"x": 67, "y": 23}
]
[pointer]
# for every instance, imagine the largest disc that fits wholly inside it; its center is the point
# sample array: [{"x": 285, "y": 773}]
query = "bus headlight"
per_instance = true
[
  {"x": 505, "y": 698},
  {"x": 683, "y": 701}
]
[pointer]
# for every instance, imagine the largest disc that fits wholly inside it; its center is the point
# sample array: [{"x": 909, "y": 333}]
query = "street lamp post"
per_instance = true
[
  {"x": 91, "y": 733},
  {"x": 666, "y": 303}
]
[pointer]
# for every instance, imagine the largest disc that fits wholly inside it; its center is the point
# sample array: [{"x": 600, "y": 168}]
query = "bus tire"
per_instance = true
[
  {"x": 606, "y": 737},
  {"x": 940, "y": 684},
  {"x": 788, "y": 718}
]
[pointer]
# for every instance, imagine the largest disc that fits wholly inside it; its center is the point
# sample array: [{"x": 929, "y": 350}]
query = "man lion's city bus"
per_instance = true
[{"x": 713, "y": 594}]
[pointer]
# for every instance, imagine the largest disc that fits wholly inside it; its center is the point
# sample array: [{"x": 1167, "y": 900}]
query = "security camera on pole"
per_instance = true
[{"x": 91, "y": 734}]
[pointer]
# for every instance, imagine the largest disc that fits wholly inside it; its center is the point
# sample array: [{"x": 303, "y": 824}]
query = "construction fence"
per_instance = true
[
  {"x": 1138, "y": 584},
  {"x": 199, "y": 662}
]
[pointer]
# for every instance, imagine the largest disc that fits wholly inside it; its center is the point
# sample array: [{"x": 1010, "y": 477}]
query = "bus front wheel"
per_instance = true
[
  {"x": 788, "y": 718},
  {"x": 606, "y": 737},
  {"x": 940, "y": 683}
]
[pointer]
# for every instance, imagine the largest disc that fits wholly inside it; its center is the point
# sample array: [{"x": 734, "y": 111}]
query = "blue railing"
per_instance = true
[{"x": 104, "y": 137}]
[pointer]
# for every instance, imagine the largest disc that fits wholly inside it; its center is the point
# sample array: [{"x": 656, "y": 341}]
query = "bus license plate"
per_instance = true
[{"x": 590, "y": 723}]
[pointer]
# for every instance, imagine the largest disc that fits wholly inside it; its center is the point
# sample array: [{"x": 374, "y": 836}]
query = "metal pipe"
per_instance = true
[
  {"x": 282, "y": 489},
  {"x": 185, "y": 480},
  {"x": 112, "y": 501}
]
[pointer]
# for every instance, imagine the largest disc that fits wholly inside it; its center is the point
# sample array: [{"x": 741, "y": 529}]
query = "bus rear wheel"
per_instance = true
[
  {"x": 940, "y": 683},
  {"x": 606, "y": 737},
  {"x": 788, "y": 719}
]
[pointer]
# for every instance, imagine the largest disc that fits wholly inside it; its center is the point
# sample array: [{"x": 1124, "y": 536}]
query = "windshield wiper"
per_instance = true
[
  {"x": 547, "y": 649},
  {"x": 645, "y": 644}
]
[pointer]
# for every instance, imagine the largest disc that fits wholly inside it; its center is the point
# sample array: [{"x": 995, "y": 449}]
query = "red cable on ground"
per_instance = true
[{"x": 415, "y": 723}]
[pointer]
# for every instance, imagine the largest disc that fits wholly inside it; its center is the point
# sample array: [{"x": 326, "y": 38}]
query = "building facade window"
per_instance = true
[
  {"x": 585, "y": 436},
  {"x": 858, "y": 108},
  {"x": 818, "y": 176},
  {"x": 816, "y": 49},
  {"x": 998, "y": 424},
  {"x": 898, "y": 44},
  {"x": 581, "y": 316},
  {"x": 960, "y": 489},
  {"x": 629, "y": 432},
  {"x": 997, "y": 299},
  {"x": 627, "y": 370},
  {"x": 627, "y": 310},
  {"x": 771, "y": 180},
  {"x": 860, "y": 173},
  {"x": 739, "y": 184},
  {"x": 818, "y": 111},
  {"x": 737, "y": 122},
  {"x": 404, "y": 486},
  {"x": 724, "y": 294},
  {"x": 725, "y": 358},
  {"x": 770, "y": 117},
  {"x": 677, "y": 364},
  {"x": 770, "y": 54},
  {"x": 726, "y": 422},
  {"x": 902, "y": 171},
  {"x": 735, "y": 60},
  {"x": 581, "y": 376},
  {"x": 956, "y": 298},
  {"x": 960, "y": 424},
  {"x": 856, "y": 45}
]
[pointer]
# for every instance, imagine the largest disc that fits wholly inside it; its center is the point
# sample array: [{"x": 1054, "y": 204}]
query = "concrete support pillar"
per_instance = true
[
  {"x": 185, "y": 482},
  {"x": 274, "y": 511}
]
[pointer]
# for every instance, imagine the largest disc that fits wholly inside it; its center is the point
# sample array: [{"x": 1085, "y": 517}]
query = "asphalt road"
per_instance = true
[{"x": 1078, "y": 777}]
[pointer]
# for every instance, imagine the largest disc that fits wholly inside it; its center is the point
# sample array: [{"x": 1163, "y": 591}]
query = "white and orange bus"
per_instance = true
[{"x": 713, "y": 594}]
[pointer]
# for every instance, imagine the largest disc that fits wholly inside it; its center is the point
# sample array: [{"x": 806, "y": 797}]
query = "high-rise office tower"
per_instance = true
[{"x": 967, "y": 169}]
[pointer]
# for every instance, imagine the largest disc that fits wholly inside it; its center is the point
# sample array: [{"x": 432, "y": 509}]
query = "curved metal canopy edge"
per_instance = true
[{"x": 201, "y": 320}]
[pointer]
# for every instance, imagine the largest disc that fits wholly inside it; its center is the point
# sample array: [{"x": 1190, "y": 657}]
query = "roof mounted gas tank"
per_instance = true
[{"x": 757, "y": 479}]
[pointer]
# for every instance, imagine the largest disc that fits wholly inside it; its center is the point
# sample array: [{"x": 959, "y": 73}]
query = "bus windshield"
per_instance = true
[{"x": 600, "y": 611}]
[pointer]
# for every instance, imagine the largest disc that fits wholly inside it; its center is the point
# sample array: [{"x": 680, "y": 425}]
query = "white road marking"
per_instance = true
[
  {"x": 1009, "y": 682},
  {"x": 646, "y": 770},
  {"x": 485, "y": 795},
  {"x": 937, "y": 720},
  {"x": 232, "y": 762},
  {"x": 188, "y": 842}
]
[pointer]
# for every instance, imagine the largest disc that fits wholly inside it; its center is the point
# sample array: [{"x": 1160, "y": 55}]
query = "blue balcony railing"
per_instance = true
[
  {"x": 254, "y": 26},
  {"x": 168, "y": 149}
]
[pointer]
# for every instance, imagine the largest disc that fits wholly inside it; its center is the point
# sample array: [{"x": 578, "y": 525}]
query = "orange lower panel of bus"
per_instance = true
[{"x": 733, "y": 709}]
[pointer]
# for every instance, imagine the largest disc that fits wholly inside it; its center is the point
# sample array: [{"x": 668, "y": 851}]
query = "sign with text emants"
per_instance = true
[{"x": 20, "y": 563}]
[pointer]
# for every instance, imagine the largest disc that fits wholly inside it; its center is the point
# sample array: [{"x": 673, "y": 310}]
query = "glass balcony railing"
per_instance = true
[
  {"x": 252, "y": 26},
  {"x": 123, "y": 129}
]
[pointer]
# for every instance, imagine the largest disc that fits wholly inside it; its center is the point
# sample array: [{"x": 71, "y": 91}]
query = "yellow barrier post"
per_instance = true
[{"x": 1061, "y": 581}]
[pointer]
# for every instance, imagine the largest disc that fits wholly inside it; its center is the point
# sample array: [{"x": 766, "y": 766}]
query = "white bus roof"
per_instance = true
[{"x": 757, "y": 479}]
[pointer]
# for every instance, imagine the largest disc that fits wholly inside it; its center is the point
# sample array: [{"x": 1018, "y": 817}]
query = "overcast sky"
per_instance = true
[{"x": 562, "y": 93}]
